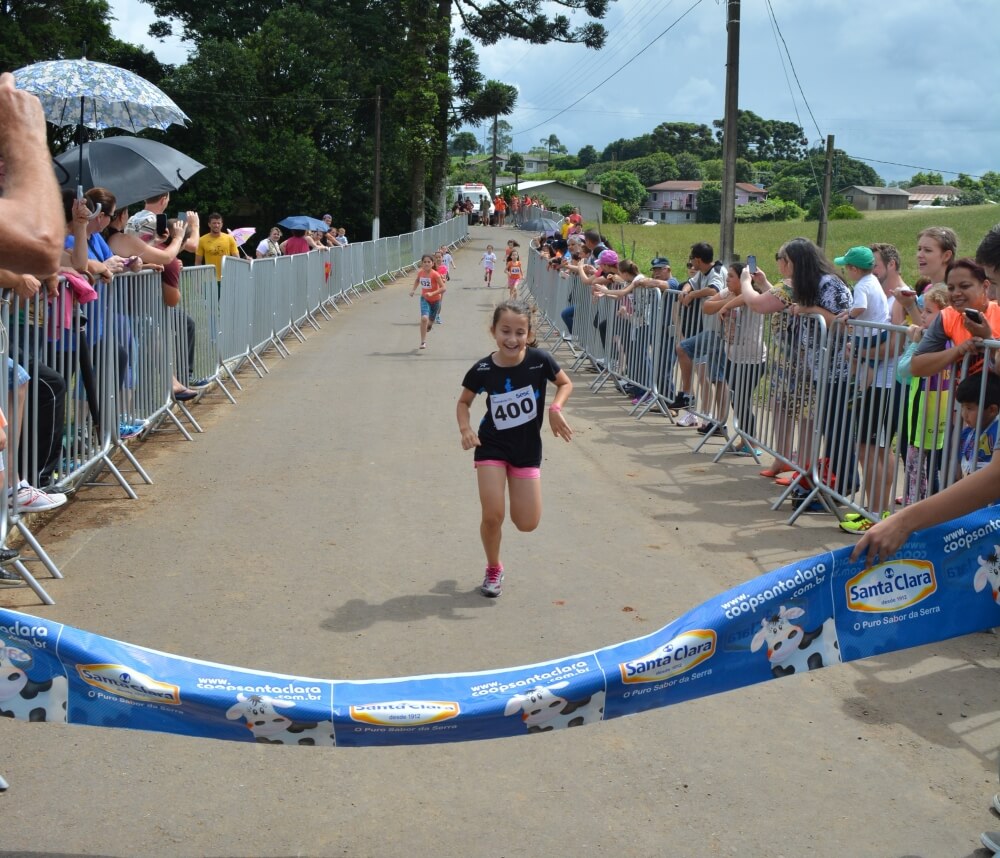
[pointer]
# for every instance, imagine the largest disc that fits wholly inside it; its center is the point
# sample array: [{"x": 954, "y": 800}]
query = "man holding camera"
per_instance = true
[{"x": 144, "y": 223}]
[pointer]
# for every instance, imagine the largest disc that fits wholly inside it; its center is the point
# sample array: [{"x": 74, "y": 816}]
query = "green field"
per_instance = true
[{"x": 763, "y": 239}]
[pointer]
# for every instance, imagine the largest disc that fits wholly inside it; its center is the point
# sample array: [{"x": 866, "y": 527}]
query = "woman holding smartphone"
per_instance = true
[{"x": 961, "y": 328}]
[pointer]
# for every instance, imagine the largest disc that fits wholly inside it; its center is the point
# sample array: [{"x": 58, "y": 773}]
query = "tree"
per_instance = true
[
  {"x": 269, "y": 155},
  {"x": 552, "y": 144},
  {"x": 926, "y": 179},
  {"x": 688, "y": 167},
  {"x": 463, "y": 143},
  {"x": 417, "y": 35},
  {"x": 515, "y": 163},
  {"x": 564, "y": 162},
  {"x": 789, "y": 188},
  {"x": 613, "y": 213},
  {"x": 990, "y": 183},
  {"x": 966, "y": 183},
  {"x": 709, "y": 203},
  {"x": 653, "y": 169},
  {"x": 495, "y": 100},
  {"x": 766, "y": 139},
  {"x": 625, "y": 188},
  {"x": 587, "y": 156},
  {"x": 677, "y": 137},
  {"x": 624, "y": 150},
  {"x": 504, "y": 139},
  {"x": 846, "y": 171},
  {"x": 31, "y": 31}
]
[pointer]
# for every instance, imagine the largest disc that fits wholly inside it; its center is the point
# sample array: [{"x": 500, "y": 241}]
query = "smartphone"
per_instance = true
[
  {"x": 752, "y": 263},
  {"x": 974, "y": 316},
  {"x": 182, "y": 216},
  {"x": 161, "y": 224}
]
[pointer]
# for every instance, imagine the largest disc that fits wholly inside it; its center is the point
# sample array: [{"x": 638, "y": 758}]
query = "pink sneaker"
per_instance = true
[{"x": 492, "y": 585}]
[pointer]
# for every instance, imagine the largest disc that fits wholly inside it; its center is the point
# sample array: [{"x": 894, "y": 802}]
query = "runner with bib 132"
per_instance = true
[{"x": 508, "y": 443}]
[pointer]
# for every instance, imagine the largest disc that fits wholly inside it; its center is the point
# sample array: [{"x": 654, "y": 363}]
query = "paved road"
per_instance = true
[{"x": 327, "y": 526}]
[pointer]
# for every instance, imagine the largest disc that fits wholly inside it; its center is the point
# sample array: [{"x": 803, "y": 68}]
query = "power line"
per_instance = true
[
  {"x": 623, "y": 66},
  {"x": 623, "y": 33},
  {"x": 795, "y": 74},
  {"x": 915, "y": 167}
]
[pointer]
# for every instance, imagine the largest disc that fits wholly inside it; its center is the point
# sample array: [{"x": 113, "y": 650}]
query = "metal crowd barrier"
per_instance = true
[
  {"x": 823, "y": 401},
  {"x": 102, "y": 373}
]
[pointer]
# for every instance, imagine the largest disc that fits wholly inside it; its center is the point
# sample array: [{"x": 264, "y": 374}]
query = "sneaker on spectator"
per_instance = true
[
  {"x": 201, "y": 382},
  {"x": 712, "y": 429},
  {"x": 131, "y": 428},
  {"x": 10, "y": 579},
  {"x": 688, "y": 420},
  {"x": 747, "y": 450},
  {"x": 861, "y": 524},
  {"x": 681, "y": 400},
  {"x": 8, "y": 555},
  {"x": 492, "y": 585},
  {"x": 30, "y": 499}
]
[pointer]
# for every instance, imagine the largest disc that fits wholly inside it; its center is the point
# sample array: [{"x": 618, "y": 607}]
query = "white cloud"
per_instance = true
[
  {"x": 908, "y": 81},
  {"x": 131, "y": 24},
  {"x": 877, "y": 75}
]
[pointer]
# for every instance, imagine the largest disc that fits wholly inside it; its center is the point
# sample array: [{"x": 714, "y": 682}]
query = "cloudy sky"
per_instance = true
[{"x": 914, "y": 83}]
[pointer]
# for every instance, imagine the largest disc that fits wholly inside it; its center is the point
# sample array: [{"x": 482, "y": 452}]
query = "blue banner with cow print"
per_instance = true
[{"x": 804, "y": 616}]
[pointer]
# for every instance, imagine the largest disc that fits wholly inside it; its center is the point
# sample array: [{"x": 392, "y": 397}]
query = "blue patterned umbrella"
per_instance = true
[
  {"x": 303, "y": 222},
  {"x": 96, "y": 95}
]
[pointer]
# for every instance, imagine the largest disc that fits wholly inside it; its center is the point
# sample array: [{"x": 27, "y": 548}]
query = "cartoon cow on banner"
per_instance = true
[
  {"x": 270, "y": 728},
  {"x": 989, "y": 573},
  {"x": 24, "y": 698},
  {"x": 541, "y": 710},
  {"x": 790, "y": 649}
]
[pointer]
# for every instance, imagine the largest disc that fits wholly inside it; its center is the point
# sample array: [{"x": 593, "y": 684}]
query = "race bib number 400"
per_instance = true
[{"x": 514, "y": 408}]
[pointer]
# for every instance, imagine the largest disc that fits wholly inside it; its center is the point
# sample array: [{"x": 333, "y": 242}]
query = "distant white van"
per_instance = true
[{"x": 474, "y": 191}]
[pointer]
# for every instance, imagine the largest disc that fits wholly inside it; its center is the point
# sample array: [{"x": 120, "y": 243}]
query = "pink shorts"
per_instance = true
[{"x": 517, "y": 473}]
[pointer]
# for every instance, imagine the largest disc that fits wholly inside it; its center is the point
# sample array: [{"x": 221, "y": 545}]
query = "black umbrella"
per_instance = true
[
  {"x": 132, "y": 168},
  {"x": 540, "y": 224}
]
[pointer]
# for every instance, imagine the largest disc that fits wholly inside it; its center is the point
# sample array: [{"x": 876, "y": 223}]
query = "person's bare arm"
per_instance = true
[
  {"x": 23, "y": 285},
  {"x": 972, "y": 493},
  {"x": 191, "y": 245},
  {"x": 931, "y": 363},
  {"x": 32, "y": 226},
  {"x": 126, "y": 244}
]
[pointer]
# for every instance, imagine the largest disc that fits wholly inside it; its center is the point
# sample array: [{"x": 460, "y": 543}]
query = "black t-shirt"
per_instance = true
[{"x": 511, "y": 429}]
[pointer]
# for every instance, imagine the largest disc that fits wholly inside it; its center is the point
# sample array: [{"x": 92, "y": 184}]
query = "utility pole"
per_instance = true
[
  {"x": 377, "y": 203},
  {"x": 824, "y": 214},
  {"x": 730, "y": 125},
  {"x": 493, "y": 160}
]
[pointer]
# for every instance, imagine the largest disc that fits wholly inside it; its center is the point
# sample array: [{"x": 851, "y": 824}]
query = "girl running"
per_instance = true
[
  {"x": 489, "y": 262},
  {"x": 513, "y": 274},
  {"x": 432, "y": 289},
  {"x": 508, "y": 444},
  {"x": 441, "y": 268}
]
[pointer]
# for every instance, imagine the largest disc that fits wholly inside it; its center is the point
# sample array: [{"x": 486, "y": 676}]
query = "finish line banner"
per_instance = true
[{"x": 802, "y": 617}]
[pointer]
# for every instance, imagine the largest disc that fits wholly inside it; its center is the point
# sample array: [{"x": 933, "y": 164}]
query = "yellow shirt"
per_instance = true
[{"x": 212, "y": 248}]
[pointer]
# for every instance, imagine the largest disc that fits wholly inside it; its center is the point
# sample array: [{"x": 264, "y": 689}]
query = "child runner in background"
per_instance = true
[
  {"x": 489, "y": 262},
  {"x": 432, "y": 289},
  {"x": 511, "y": 247},
  {"x": 976, "y": 450},
  {"x": 441, "y": 268},
  {"x": 508, "y": 443},
  {"x": 513, "y": 274},
  {"x": 447, "y": 259}
]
